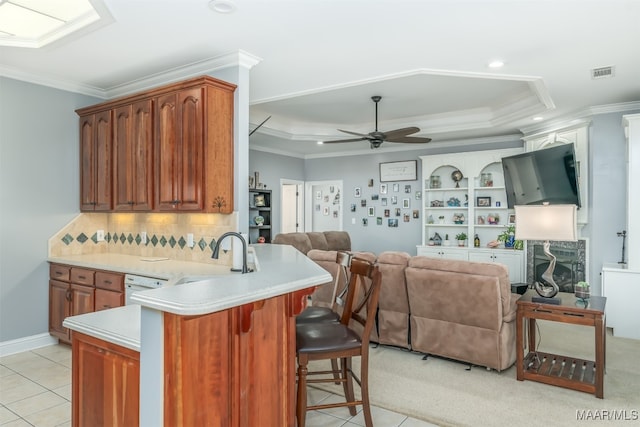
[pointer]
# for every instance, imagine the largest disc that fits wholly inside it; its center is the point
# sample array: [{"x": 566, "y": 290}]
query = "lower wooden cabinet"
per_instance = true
[
  {"x": 74, "y": 291},
  {"x": 105, "y": 383}
]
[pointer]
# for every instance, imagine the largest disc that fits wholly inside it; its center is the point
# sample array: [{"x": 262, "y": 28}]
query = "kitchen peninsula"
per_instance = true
[{"x": 218, "y": 352}]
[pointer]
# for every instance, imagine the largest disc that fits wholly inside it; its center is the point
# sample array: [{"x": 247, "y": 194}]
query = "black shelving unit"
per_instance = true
[{"x": 259, "y": 206}]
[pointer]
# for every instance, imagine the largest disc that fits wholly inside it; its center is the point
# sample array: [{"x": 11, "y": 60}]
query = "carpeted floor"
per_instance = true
[{"x": 444, "y": 392}]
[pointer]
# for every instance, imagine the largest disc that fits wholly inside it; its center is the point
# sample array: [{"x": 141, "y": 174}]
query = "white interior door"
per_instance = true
[{"x": 291, "y": 204}]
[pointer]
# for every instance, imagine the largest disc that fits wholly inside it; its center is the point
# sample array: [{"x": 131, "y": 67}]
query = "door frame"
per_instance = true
[{"x": 300, "y": 217}]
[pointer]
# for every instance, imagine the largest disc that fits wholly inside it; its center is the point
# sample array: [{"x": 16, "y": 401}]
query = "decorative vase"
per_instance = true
[
  {"x": 510, "y": 241},
  {"x": 461, "y": 242},
  {"x": 259, "y": 220}
]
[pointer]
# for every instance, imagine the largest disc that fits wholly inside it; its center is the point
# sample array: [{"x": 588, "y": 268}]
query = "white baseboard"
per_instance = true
[{"x": 26, "y": 344}]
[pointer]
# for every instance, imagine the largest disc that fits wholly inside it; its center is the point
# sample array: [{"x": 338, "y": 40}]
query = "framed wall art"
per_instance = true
[{"x": 399, "y": 171}]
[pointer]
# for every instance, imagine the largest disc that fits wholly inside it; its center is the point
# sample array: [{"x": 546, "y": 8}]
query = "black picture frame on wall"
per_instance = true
[{"x": 406, "y": 170}]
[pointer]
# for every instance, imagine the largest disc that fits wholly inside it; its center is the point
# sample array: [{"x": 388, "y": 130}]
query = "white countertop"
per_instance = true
[
  {"x": 120, "y": 325},
  {"x": 283, "y": 269},
  {"x": 170, "y": 269}
]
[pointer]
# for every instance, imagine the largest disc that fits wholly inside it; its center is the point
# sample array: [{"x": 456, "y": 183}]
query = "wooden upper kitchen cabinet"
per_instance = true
[
  {"x": 194, "y": 147},
  {"x": 133, "y": 157},
  {"x": 95, "y": 161},
  {"x": 188, "y": 165},
  {"x": 180, "y": 151}
]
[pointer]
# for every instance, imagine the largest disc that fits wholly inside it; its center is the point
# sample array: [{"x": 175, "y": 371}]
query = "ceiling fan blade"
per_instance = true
[
  {"x": 410, "y": 139},
  {"x": 401, "y": 132},
  {"x": 259, "y": 126},
  {"x": 364, "y": 138},
  {"x": 364, "y": 135}
]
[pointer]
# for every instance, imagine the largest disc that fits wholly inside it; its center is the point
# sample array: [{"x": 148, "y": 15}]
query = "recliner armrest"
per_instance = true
[{"x": 513, "y": 307}]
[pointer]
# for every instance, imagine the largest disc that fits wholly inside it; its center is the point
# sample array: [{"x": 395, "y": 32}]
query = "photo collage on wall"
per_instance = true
[
  {"x": 328, "y": 204},
  {"x": 390, "y": 203}
]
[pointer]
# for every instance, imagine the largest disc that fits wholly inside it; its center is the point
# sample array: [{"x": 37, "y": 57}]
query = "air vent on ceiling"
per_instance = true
[{"x": 602, "y": 72}]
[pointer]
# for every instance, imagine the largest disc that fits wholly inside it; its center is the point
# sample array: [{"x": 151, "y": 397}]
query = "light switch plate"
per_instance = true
[{"x": 100, "y": 235}]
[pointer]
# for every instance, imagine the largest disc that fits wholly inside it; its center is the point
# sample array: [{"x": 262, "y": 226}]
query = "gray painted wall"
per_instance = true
[
  {"x": 39, "y": 189},
  {"x": 355, "y": 171},
  {"x": 272, "y": 168}
]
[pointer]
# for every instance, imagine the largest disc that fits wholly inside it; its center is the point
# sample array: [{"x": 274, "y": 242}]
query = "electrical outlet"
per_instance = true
[
  {"x": 353, "y": 220},
  {"x": 100, "y": 235},
  {"x": 143, "y": 237},
  {"x": 190, "y": 240}
]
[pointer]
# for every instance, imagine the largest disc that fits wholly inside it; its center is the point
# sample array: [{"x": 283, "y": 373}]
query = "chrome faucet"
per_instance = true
[{"x": 216, "y": 250}]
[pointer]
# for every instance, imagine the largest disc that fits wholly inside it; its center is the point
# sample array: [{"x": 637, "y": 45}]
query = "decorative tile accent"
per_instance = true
[
  {"x": 130, "y": 238},
  {"x": 154, "y": 240},
  {"x": 212, "y": 244},
  {"x": 202, "y": 244},
  {"x": 163, "y": 241},
  {"x": 82, "y": 238},
  {"x": 107, "y": 237},
  {"x": 138, "y": 239},
  {"x": 115, "y": 237},
  {"x": 67, "y": 239},
  {"x": 94, "y": 238},
  {"x": 172, "y": 241},
  {"x": 122, "y": 238},
  {"x": 182, "y": 242}
]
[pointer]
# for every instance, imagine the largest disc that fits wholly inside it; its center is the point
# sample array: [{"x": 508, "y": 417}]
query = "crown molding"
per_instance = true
[
  {"x": 239, "y": 58},
  {"x": 234, "y": 59},
  {"x": 53, "y": 83}
]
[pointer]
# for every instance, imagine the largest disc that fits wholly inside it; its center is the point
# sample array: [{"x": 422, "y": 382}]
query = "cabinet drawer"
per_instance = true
[
  {"x": 108, "y": 299},
  {"x": 82, "y": 276},
  {"x": 59, "y": 272},
  {"x": 110, "y": 281}
]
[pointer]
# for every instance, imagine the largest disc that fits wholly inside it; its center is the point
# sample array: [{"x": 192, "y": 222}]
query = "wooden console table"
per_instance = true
[{"x": 562, "y": 371}]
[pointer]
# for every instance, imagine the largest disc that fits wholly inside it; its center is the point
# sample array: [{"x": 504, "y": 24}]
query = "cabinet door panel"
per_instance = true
[
  {"x": 87, "y": 160},
  {"x": 82, "y": 299},
  {"x": 132, "y": 157},
  {"x": 103, "y": 144},
  {"x": 122, "y": 159},
  {"x": 59, "y": 308},
  {"x": 106, "y": 383},
  {"x": 192, "y": 149},
  {"x": 166, "y": 150},
  {"x": 142, "y": 155}
]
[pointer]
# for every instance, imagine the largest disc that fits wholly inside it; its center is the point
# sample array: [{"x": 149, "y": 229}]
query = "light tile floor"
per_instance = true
[{"x": 35, "y": 390}]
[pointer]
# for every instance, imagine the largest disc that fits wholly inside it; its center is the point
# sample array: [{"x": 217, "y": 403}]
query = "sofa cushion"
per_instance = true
[
  {"x": 393, "y": 306},
  {"x": 338, "y": 240},
  {"x": 318, "y": 241},
  {"x": 300, "y": 241}
]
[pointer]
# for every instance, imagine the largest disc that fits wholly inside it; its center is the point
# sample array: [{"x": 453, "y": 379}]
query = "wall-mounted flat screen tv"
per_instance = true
[{"x": 548, "y": 175}]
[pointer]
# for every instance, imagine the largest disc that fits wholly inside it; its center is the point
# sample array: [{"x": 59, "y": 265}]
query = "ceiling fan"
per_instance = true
[{"x": 376, "y": 138}]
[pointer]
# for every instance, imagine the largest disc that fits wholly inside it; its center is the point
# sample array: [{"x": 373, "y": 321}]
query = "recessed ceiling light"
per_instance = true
[
  {"x": 320, "y": 142},
  {"x": 496, "y": 64},
  {"x": 223, "y": 6},
  {"x": 537, "y": 118}
]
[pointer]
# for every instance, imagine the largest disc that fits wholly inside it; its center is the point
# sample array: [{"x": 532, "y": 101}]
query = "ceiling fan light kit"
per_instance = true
[{"x": 376, "y": 138}]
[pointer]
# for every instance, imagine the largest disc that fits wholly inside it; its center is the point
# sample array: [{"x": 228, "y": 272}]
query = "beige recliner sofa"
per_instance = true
[{"x": 462, "y": 310}]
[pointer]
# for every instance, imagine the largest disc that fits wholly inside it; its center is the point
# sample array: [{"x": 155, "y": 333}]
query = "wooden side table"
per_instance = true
[{"x": 562, "y": 371}]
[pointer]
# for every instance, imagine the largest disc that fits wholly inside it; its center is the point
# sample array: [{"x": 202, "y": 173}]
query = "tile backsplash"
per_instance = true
[{"x": 123, "y": 233}]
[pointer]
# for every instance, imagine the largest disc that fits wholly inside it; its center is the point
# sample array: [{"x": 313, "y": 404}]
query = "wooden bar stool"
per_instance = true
[
  {"x": 329, "y": 340},
  {"x": 328, "y": 314}
]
